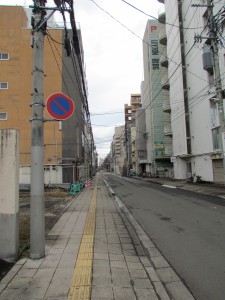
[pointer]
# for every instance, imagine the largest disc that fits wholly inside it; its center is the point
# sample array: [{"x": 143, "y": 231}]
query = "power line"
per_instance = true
[
  {"x": 141, "y": 11},
  {"x": 106, "y": 113}
]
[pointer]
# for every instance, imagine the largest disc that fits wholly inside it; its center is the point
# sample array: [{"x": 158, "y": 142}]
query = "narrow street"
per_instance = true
[{"x": 187, "y": 227}]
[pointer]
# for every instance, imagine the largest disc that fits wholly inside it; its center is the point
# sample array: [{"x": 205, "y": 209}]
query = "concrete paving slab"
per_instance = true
[
  {"x": 152, "y": 274},
  {"x": 27, "y": 273},
  {"x": 145, "y": 261},
  {"x": 179, "y": 291},
  {"x": 60, "y": 283},
  {"x": 138, "y": 273},
  {"x": 33, "y": 264},
  {"x": 129, "y": 252},
  {"x": 118, "y": 264},
  {"x": 145, "y": 294},
  {"x": 14, "y": 294},
  {"x": 142, "y": 283},
  {"x": 154, "y": 252},
  {"x": 21, "y": 261},
  {"x": 122, "y": 282},
  {"x": 167, "y": 275},
  {"x": 160, "y": 290},
  {"x": 19, "y": 282},
  {"x": 128, "y": 247},
  {"x": 118, "y": 257},
  {"x": 126, "y": 240},
  {"x": 42, "y": 278},
  {"x": 12, "y": 273},
  {"x": 102, "y": 292},
  {"x": 117, "y": 273},
  {"x": 101, "y": 256},
  {"x": 34, "y": 293},
  {"x": 2, "y": 286},
  {"x": 103, "y": 263},
  {"x": 115, "y": 250},
  {"x": 132, "y": 259},
  {"x": 102, "y": 279},
  {"x": 135, "y": 266},
  {"x": 124, "y": 293},
  {"x": 159, "y": 262},
  {"x": 102, "y": 270}
]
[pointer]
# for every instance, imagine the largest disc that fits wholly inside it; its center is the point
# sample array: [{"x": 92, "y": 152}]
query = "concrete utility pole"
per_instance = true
[{"x": 37, "y": 205}]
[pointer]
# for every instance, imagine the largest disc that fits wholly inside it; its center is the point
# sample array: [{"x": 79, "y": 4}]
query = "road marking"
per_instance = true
[
  {"x": 80, "y": 288},
  {"x": 169, "y": 186}
]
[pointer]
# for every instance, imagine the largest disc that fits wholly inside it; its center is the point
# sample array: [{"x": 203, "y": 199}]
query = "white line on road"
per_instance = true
[{"x": 169, "y": 186}]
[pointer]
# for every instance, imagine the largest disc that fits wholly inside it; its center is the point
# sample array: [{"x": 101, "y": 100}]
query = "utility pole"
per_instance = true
[{"x": 37, "y": 205}]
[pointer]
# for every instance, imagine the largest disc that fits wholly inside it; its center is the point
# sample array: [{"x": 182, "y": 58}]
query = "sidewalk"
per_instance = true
[
  {"x": 212, "y": 189},
  {"x": 95, "y": 251}
]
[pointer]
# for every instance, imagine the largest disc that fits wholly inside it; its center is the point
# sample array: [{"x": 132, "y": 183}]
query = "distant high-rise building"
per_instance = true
[{"x": 155, "y": 97}]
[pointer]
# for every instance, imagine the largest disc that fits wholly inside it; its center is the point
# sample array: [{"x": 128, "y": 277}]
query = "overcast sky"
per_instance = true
[{"x": 113, "y": 58}]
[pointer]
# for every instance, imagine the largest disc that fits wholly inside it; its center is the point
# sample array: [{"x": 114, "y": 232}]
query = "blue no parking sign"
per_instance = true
[{"x": 59, "y": 106}]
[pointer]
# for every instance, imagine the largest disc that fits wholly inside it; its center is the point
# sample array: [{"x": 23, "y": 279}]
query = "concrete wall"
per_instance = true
[
  {"x": 52, "y": 174},
  {"x": 9, "y": 194}
]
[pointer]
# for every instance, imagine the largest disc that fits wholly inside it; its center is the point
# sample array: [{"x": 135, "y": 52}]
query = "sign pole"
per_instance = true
[{"x": 37, "y": 205}]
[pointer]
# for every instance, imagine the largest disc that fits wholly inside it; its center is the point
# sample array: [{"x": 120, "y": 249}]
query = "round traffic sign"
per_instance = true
[{"x": 59, "y": 106}]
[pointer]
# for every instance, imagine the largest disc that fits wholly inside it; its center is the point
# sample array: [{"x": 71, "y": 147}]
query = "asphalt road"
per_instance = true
[{"x": 187, "y": 227}]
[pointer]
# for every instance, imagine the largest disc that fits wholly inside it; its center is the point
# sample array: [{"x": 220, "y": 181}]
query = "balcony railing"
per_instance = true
[
  {"x": 163, "y": 40},
  {"x": 166, "y": 106},
  {"x": 168, "y": 150},
  {"x": 168, "y": 130},
  {"x": 164, "y": 62},
  {"x": 162, "y": 15},
  {"x": 165, "y": 82}
]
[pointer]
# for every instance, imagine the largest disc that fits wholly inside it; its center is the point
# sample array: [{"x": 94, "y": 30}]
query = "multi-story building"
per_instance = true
[
  {"x": 197, "y": 131},
  {"x": 155, "y": 97},
  {"x": 67, "y": 144},
  {"x": 141, "y": 149},
  {"x": 118, "y": 151},
  {"x": 133, "y": 149},
  {"x": 130, "y": 135}
]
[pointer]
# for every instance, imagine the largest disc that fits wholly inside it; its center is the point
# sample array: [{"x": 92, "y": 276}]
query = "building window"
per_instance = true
[
  {"x": 4, "y": 56},
  {"x": 3, "y": 116},
  {"x": 155, "y": 64},
  {"x": 3, "y": 85},
  {"x": 216, "y": 139},
  {"x": 214, "y": 114}
]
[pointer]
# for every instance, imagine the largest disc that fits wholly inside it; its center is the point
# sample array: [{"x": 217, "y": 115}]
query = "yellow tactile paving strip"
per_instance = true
[{"x": 80, "y": 288}]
